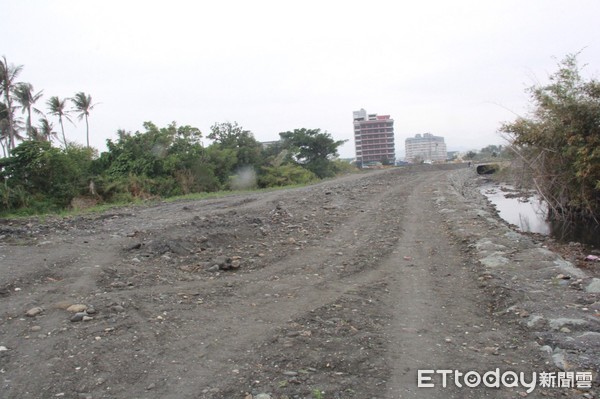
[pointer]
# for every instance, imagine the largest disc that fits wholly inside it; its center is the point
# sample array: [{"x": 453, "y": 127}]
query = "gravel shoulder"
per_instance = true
[{"x": 343, "y": 289}]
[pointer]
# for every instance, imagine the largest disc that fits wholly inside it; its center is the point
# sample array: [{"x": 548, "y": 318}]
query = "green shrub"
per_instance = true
[{"x": 283, "y": 175}]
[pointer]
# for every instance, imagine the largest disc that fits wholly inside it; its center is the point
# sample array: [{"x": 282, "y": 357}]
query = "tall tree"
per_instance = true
[
  {"x": 313, "y": 149},
  {"x": 57, "y": 107},
  {"x": 3, "y": 129},
  {"x": 25, "y": 96},
  {"x": 8, "y": 76},
  {"x": 83, "y": 105},
  {"x": 232, "y": 136},
  {"x": 45, "y": 130}
]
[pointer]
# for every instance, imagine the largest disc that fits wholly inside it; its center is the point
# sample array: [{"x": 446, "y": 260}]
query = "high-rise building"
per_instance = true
[
  {"x": 373, "y": 138},
  {"x": 426, "y": 147}
]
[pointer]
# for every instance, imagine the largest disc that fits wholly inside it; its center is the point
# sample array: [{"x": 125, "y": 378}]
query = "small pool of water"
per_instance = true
[{"x": 529, "y": 215}]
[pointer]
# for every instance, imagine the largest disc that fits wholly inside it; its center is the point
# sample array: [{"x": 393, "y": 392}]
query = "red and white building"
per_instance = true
[{"x": 373, "y": 138}]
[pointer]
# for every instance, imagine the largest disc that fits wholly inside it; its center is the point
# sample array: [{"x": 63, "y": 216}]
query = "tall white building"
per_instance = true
[{"x": 425, "y": 147}]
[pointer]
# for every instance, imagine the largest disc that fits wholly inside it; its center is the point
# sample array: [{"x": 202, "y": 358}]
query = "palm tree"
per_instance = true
[
  {"x": 24, "y": 95},
  {"x": 4, "y": 130},
  {"x": 8, "y": 75},
  {"x": 3, "y": 134},
  {"x": 56, "y": 106},
  {"x": 45, "y": 130},
  {"x": 83, "y": 105}
]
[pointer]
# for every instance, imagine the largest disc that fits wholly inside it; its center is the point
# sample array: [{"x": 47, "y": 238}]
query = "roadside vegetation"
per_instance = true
[
  {"x": 490, "y": 153},
  {"x": 42, "y": 171},
  {"x": 558, "y": 143}
]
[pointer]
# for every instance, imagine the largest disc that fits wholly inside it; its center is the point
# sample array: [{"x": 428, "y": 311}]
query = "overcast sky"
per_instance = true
[{"x": 457, "y": 69}]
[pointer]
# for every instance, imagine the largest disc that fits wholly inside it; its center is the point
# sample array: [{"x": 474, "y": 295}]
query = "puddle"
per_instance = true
[{"x": 529, "y": 215}]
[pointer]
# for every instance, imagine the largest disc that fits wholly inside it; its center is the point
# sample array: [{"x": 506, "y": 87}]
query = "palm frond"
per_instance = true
[
  {"x": 9, "y": 72},
  {"x": 82, "y": 104}
]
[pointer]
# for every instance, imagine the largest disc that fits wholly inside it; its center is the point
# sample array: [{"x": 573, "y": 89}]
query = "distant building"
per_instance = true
[
  {"x": 373, "y": 138},
  {"x": 267, "y": 144},
  {"x": 426, "y": 147}
]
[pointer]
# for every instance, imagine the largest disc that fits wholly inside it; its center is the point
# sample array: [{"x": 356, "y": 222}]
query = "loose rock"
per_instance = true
[
  {"x": 34, "y": 311},
  {"x": 78, "y": 316},
  {"x": 77, "y": 308},
  {"x": 594, "y": 286}
]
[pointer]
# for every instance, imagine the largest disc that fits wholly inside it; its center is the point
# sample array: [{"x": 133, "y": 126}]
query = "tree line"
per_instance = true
[
  {"x": 37, "y": 176},
  {"x": 22, "y": 95}
]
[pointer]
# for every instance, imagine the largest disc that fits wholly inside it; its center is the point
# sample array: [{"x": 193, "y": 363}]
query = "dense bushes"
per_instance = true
[
  {"x": 44, "y": 177},
  {"x": 160, "y": 162},
  {"x": 560, "y": 142}
]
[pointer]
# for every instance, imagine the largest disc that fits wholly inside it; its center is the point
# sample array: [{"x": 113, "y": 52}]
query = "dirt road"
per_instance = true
[{"x": 344, "y": 289}]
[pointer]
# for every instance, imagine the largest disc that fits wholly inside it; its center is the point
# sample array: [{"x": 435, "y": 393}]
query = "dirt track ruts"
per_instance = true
[{"x": 345, "y": 287}]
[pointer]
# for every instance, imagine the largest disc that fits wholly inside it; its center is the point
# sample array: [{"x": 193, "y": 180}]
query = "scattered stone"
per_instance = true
[
  {"x": 91, "y": 310},
  {"x": 3, "y": 348},
  {"x": 594, "y": 286},
  {"x": 78, "y": 317},
  {"x": 77, "y": 308},
  {"x": 62, "y": 305},
  {"x": 34, "y": 311},
  {"x": 221, "y": 261},
  {"x": 263, "y": 396},
  {"x": 490, "y": 350},
  {"x": 569, "y": 269},
  {"x": 137, "y": 245},
  {"x": 590, "y": 336},
  {"x": 35, "y": 328},
  {"x": 117, "y": 309},
  {"x": 118, "y": 284},
  {"x": 563, "y": 283},
  {"x": 87, "y": 318},
  {"x": 557, "y": 324},
  {"x": 558, "y": 357},
  {"x": 214, "y": 268},
  {"x": 151, "y": 387},
  {"x": 495, "y": 260}
]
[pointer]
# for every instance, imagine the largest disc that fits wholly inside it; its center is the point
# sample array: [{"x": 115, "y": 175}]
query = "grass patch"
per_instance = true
[{"x": 43, "y": 213}]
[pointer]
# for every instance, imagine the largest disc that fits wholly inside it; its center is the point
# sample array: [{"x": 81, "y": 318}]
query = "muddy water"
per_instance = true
[{"x": 529, "y": 215}]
